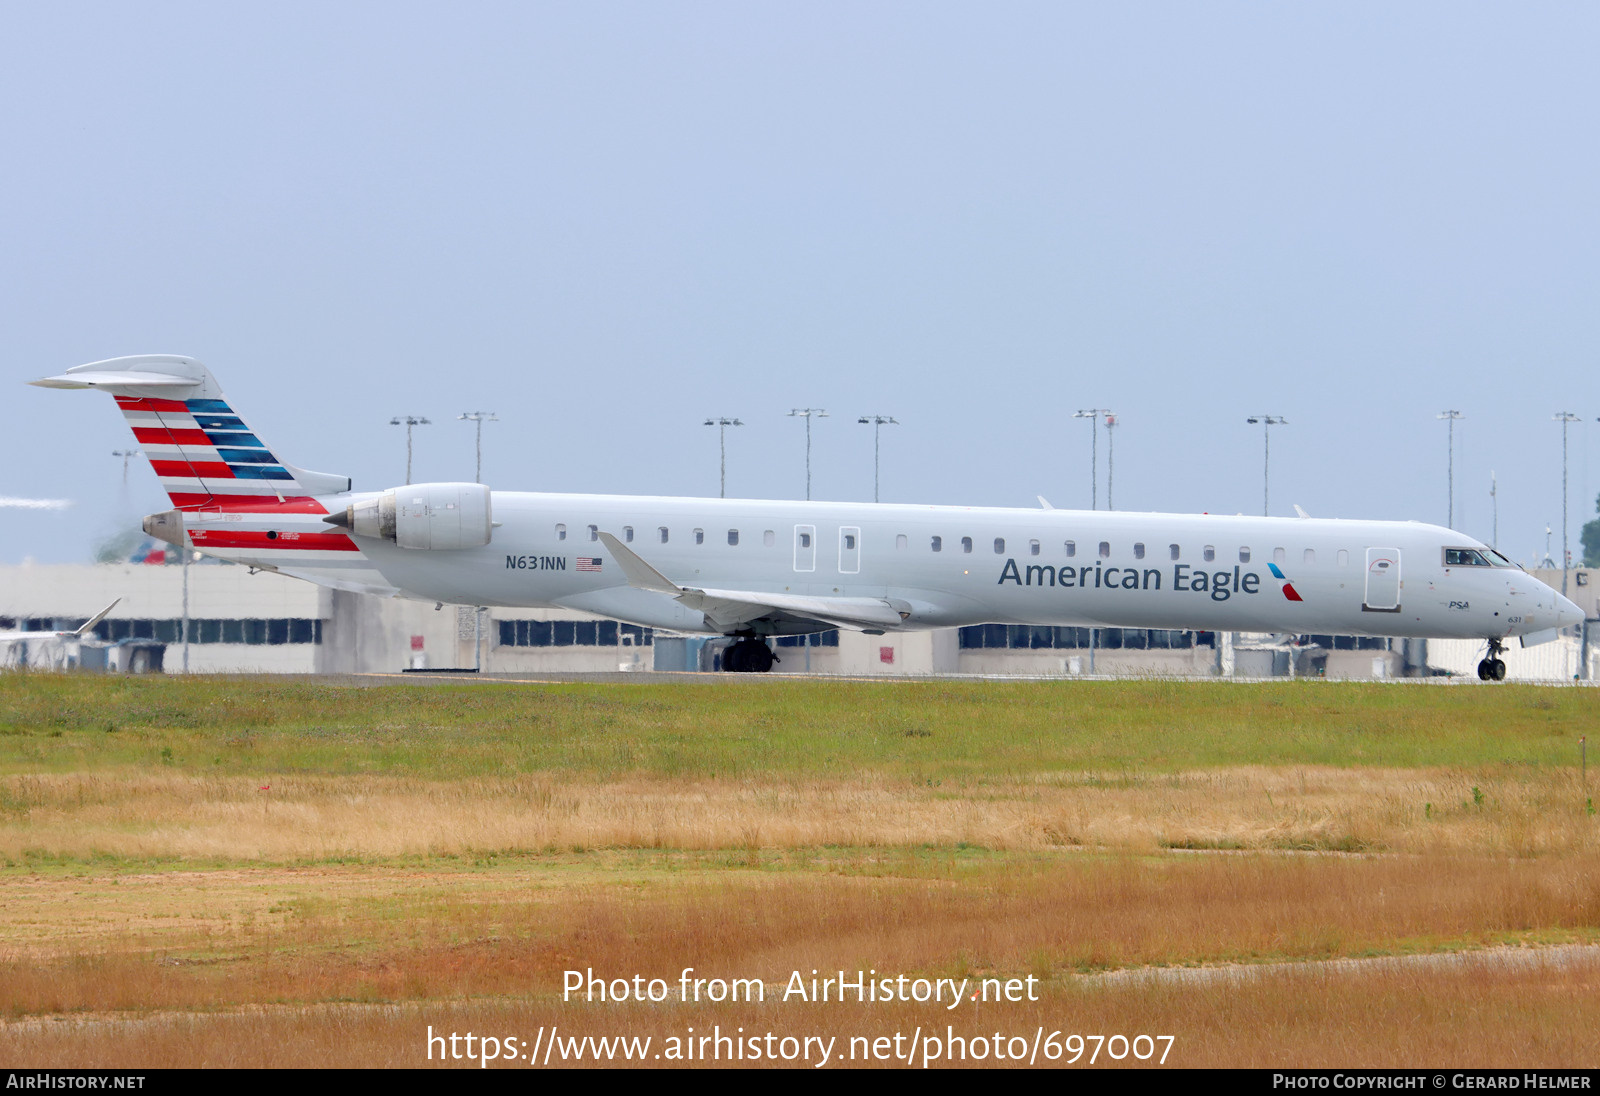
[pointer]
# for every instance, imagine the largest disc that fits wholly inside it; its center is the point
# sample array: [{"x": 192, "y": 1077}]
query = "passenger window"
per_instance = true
[
  {"x": 1344, "y": 557},
  {"x": 1311, "y": 555},
  {"x": 805, "y": 540},
  {"x": 1033, "y": 547},
  {"x": 627, "y": 534},
  {"x": 1174, "y": 549},
  {"x": 1279, "y": 556},
  {"x": 1209, "y": 553},
  {"x": 1244, "y": 555},
  {"x": 999, "y": 546},
  {"x": 900, "y": 542},
  {"x": 850, "y": 542},
  {"x": 1105, "y": 549},
  {"x": 769, "y": 539},
  {"x": 733, "y": 537},
  {"x": 594, "y": 532},
  {"x": 1072, "y": 548},
  {"x": 663, "y": 532},
  {"x": 966, "y": 545},
  {"x": 1138, "y": 551},
  {"x": 699, "y": 536},
  {"x": 561, "y": 532},
  {"x": 936, "y": 544}
]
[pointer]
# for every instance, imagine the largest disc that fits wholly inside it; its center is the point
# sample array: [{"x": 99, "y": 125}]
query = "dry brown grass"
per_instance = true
[
  {"x": 211, "y": 939},
  {"x": 1517, "y": 812},
  {"x": 157, "y": 908},
  {"x": 1480, "y": 1016}
]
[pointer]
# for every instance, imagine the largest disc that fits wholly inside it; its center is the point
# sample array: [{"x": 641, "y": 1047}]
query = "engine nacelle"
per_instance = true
[{"x": 430, "y": 516}]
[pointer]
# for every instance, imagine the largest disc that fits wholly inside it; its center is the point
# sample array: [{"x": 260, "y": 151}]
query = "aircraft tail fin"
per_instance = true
[{"x": 206, "y": 456}]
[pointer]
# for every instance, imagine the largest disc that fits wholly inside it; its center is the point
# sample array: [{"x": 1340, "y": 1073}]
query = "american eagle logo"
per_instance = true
[{"x": 1288, "y": 587}]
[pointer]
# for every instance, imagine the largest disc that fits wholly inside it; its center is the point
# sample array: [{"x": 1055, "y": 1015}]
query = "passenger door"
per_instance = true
[{"x": 1383, "y": 581}]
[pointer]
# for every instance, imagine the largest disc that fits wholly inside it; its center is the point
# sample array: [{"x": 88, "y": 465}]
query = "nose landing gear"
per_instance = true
[{"x": 1493, "y": 668}]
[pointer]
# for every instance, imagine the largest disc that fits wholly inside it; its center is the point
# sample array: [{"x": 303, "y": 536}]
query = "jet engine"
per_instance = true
[{"x": 430, "y": 516}]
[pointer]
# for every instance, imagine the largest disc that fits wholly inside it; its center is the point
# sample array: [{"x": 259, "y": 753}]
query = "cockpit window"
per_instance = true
[
  {"x": 1464, "y": 557},
  {"x": 1497, "y": 560}
]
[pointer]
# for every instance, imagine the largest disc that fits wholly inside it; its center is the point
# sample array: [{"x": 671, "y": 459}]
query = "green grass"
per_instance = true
[{"x": 922, "y": 731}]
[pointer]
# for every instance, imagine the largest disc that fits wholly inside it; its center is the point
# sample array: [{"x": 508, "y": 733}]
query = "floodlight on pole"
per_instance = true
[
  {"x": 877, "y": 422},
  {"x": 1451, "y": 416},
  {"x": 722, "y": 425},
  {"x": 126, "y": 455},
  {"x": 1093, "y": 415},
  {"x": 808, "y": 413},
  {"x": 479, "y": 417},
  {"x": 408, "y": 421},
  {"x": 1564, "y": 417},
  {"x": 1267, "y": 422}
]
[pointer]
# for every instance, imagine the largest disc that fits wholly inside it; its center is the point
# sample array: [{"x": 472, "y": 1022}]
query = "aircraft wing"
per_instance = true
[
  {"x": 729, "y": 608},
  {"x": 76, "y": 633}
]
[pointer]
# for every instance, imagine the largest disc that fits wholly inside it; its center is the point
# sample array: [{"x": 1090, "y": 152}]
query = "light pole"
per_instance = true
[
  {"x": 1452, "y": 416},
  {"x": 1494, "y": 503},
  {"x": 126, "y": 455},
  {"x": 807, "y": 413},
  {"x": 1111, "y": 461},
  {"x": 1564, "y": 417},
  {"x": 1267, "y": 422},
  {"x": 1093, "y": 415},
  {"x": 408, "y": 421},
  {"x": 876, "y": 422},
  {"x": 479, "y": 417},
  {"x": 722, "y": 441}
]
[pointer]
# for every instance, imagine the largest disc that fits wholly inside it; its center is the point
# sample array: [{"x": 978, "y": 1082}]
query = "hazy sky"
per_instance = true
[{"x": 606, "y": 222}]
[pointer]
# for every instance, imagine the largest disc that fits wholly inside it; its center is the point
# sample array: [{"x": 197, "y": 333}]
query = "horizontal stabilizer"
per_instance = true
[
  {"x": 169, "y": 376},
  {"x": 129, "y": 379}
]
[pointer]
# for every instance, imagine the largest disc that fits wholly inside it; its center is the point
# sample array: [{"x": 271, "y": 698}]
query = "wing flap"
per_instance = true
[{"x": 726, "y": 608}]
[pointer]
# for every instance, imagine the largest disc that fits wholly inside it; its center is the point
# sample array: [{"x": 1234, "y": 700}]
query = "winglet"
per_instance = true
[
  {"x": 640, "y": 574},
  {"x": 1301, "y": 512},
  {"x": 88, "y": 625},
  {"x": 1044, "y": 503}
]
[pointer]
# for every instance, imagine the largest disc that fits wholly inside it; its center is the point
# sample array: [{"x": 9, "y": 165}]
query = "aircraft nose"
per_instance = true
[{"x": 1568, "y": 614}]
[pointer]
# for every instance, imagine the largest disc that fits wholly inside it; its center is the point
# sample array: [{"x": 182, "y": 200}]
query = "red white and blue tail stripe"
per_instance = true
[
  {"x": 236, "y": 498},
  {"x": 207, "y": 458}
]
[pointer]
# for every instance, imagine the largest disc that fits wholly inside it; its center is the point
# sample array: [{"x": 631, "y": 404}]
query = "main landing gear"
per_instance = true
[
  {"x": 748, "y": 656},
  {"x": 1493, "y": 668}
]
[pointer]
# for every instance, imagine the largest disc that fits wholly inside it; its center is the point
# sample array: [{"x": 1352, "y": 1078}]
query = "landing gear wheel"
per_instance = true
[
  {"x": 1493, "y": 668},
  {"x": 748, "y": 656}
]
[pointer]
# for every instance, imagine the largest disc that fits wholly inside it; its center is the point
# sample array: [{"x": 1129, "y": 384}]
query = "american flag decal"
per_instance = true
[{"x": 585, "y": 563}]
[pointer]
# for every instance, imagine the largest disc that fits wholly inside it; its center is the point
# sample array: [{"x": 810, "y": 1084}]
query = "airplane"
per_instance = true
[
  {"x": 76, "y": 635},
  {"x": 754, "y": 569}
]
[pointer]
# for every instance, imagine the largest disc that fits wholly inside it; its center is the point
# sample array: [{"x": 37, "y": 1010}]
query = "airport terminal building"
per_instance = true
[{"x": 213, "y": 617}]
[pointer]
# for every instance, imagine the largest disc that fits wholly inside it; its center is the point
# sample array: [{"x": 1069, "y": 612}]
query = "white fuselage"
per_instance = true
[{"x": 1055, "y": 567}]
